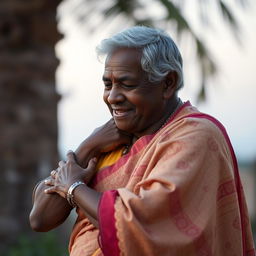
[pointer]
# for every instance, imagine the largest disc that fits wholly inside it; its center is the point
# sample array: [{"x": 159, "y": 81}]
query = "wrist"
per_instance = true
[{"x": 70, "y": 193}]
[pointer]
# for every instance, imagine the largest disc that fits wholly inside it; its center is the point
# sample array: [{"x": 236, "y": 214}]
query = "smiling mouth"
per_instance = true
[{"x": 119, "y": 113}]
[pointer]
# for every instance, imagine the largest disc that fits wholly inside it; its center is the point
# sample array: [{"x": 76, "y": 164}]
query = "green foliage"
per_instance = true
[{"x": 46, "y": 244}]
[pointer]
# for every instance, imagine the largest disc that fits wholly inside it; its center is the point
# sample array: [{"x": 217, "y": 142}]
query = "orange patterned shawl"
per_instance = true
[{"x": 177, "y": 192}]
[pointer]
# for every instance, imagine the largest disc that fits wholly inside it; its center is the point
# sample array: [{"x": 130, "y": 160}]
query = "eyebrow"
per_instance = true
[{"x": 119, "y": 79}]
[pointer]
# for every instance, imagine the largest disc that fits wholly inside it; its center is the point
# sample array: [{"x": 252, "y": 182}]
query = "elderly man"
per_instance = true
[{"x": 160, "y": 177}]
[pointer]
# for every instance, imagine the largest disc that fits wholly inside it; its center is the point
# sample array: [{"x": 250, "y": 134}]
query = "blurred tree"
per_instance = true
[
  {"x": 97, "y": 14},
  {"x": 28, "y": 112}
]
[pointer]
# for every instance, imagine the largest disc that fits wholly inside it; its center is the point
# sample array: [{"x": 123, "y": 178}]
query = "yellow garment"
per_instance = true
[
  {"x": 84, "y": 236},
  {"x": 97, "y": 252},
  {"x": 108, "y": 159}
]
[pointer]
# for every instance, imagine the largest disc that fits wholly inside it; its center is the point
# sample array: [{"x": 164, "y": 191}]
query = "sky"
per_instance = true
[{"x": 231, "y": 96}]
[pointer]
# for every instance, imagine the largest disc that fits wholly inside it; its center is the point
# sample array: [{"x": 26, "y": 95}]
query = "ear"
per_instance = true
[{"x": 170, "y": 84}]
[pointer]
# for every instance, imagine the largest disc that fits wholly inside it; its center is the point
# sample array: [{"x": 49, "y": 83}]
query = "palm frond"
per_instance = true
[
  {"x": 174, "y": 14},
  {"x": 207, "y": 67},
  {"x": 121, "y": 6},
  {"x": 201, "y": 95},
  {"x": 243, "y": 3},
  {"x": 144, "y": 22},
  {"x": 109, "y": 10},
  {"x": 228, "y": 15}
]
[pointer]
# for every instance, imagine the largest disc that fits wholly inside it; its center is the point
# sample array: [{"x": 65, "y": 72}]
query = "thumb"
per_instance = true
[
  {"x": 71, "y": 156},
  {"x": 92, "y": 163},
  {"x": 91, "y": 168}
]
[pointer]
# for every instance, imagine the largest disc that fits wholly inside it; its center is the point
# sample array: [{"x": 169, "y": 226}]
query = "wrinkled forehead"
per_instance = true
[{"x": 124, "y": 57}]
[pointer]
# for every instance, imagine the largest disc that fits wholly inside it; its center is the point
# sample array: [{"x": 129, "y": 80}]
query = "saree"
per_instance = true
[
  {"x": 84, "y": 236},
  {"x": 177, "y": 192}
]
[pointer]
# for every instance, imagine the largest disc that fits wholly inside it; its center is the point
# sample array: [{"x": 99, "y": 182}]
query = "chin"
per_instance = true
[{"x": 123, "y": 127}]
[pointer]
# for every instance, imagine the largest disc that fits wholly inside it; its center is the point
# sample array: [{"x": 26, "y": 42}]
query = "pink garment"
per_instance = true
[
  {"x": 176, "y": 193},
  {"x": 179, "y": 194}
]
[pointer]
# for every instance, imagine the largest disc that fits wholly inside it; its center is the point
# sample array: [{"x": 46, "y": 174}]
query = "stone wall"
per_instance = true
[{"x": 28, "y": 107}]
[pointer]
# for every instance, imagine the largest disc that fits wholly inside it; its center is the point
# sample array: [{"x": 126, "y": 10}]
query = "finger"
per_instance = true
[
  {"x": 49, "y": 182},
  {"x": 50, "y": 190},
  {"x": 91, "y": 168},
  {"x": 53, "y": 173},
  {"x": 71, "y": 156},
  {"x": 61, "y": 163}
]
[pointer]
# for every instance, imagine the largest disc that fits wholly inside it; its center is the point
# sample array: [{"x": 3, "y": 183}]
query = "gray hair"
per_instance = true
[{"x": 160, "y": 55}]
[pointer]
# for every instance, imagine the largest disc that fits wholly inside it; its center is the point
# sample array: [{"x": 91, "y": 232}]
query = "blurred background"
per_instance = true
[{"x": 51, "y": 89}]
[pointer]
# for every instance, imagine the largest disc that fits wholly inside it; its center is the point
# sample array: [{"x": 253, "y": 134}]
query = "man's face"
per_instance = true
[{"x": 135, "y": 104}]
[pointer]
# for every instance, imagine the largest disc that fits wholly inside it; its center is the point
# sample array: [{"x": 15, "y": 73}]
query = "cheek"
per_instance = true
[
  {"x": 105, "y": 97},
  {"x": 142, "y": 102},
  {"x": 148, "y": 107}
]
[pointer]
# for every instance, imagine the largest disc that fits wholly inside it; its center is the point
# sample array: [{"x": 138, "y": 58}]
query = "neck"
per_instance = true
[
  {"x": 170, "y": 108},
  {"x": 172, "y": 105}
]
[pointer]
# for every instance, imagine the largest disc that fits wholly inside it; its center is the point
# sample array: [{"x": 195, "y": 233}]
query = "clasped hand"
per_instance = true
[
  {"x": 67, "y": 173},
  {"x": 103, "y": 139}
]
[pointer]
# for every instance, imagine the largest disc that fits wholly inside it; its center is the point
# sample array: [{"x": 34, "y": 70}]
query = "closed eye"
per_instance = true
[
  {"x": 107, "y": 85},
  {"x": 128, "y": 86}
]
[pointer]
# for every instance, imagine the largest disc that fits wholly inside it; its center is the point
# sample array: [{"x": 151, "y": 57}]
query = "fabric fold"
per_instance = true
[
  {"x": 106, "y": 212},
  {"x": 177, "y": 192}
]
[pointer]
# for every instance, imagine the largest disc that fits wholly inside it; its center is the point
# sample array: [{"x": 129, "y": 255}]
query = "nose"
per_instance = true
[{"x": 115, "y": 95}]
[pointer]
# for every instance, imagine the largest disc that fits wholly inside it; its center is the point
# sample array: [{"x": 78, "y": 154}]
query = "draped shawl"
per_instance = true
[{"x": 177, "y": 192}]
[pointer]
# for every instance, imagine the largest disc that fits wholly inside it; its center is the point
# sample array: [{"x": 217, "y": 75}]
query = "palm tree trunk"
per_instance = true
[{"x": 28, "y": 107}]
